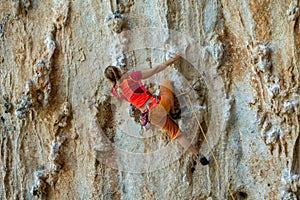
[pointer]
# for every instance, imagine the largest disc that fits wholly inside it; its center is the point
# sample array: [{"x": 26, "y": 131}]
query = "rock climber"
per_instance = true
[{"x": 155, "y": 109}]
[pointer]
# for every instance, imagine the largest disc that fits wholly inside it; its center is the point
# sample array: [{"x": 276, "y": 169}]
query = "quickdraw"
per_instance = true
[{"x": 144, "y": 119}]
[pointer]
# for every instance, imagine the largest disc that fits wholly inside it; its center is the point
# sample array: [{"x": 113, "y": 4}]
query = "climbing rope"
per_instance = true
[{"x": 210, "y": 149}]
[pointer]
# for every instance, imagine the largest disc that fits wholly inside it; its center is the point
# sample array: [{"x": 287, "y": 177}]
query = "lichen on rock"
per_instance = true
[
  {"x": 293, "y": 12},
  {"x": 47, "y": 176},
  {"x": 38, "y": 87},
  {"x": 115, "y": 22},
  {"x": 290, "y": 185},
  {"x": 62, "y": 119}
]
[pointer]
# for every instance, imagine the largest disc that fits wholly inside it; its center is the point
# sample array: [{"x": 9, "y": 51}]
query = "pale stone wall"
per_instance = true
[{"x": 64, "y": 137}]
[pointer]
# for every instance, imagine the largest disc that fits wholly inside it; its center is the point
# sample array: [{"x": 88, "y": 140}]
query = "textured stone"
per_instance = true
[{"x": 64, "y": 137}]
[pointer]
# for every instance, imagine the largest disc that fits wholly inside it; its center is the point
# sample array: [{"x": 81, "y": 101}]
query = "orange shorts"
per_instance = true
[{"x": 158, "y": 115}]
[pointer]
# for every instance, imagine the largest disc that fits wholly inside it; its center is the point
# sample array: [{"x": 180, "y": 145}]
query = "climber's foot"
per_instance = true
[
  {"x": 203, "y": 159},
  {"x": 176, "y": 114}
]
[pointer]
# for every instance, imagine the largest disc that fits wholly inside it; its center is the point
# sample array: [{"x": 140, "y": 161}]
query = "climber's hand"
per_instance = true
[{"x": 176, "y": 56}]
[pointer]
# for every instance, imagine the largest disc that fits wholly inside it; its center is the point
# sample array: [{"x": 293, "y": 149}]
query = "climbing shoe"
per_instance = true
[
  {"x": 176, "y": 115},
  {"x": 202, "y": 159}
]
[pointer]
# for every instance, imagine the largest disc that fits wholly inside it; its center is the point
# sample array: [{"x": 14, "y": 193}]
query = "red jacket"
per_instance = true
[{"x": 133, "y": 90}]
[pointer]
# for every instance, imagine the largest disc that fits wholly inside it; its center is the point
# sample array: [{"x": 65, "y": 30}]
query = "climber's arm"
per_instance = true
[{"x": 149, "y": 72}]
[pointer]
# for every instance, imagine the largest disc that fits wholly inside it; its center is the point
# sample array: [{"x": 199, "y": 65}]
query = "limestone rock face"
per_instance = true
[{"x": 63, "y": 135}]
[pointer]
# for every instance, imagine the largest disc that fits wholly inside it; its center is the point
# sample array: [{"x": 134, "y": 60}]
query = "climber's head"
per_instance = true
[{"x": 113, "y": 74}]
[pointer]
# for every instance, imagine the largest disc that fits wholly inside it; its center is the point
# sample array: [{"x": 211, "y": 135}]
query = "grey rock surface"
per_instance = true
[{"x": 64, "y": 137}]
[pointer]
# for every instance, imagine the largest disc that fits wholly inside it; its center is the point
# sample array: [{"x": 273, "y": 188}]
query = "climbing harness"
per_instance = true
[
  {"x": 210, "y": 149},
  {"x": 150, "y": 103}
]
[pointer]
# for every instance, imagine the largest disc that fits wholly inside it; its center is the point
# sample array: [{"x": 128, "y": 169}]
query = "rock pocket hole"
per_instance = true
[
  {"x": 2, "y": 119},
  {"x": 105, "y": 116},
  {"x": 241, "y": 195}
]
